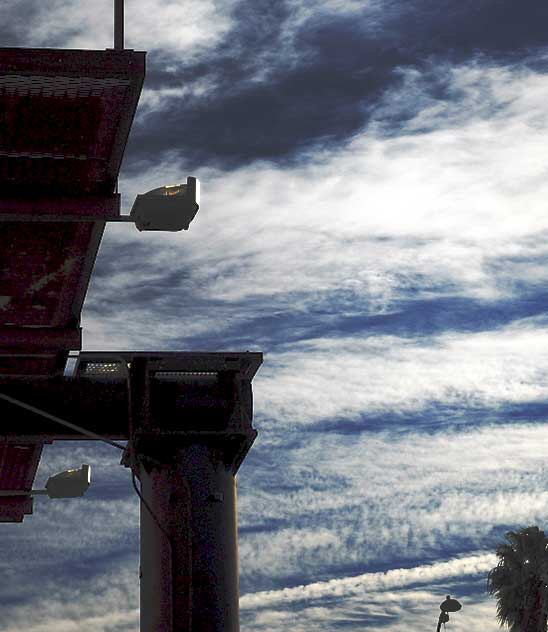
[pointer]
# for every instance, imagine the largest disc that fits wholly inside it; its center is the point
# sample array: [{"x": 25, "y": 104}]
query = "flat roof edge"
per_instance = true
[{"x": 68, "y": 61}]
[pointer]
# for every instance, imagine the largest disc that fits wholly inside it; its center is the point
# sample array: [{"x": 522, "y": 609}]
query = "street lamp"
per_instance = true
[
  {"x": 67, "y": 484},
  {"x": 449, "y": 605},
  {"x": 170, "y": 208}
]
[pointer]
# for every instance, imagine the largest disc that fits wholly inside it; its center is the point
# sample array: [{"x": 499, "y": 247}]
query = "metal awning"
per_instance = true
[
  {"x": 65, "y": 116},
  {"x": 18, "y": 464}
]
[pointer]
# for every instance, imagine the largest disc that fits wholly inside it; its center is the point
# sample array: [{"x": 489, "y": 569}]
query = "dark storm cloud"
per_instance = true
[
  {"x": 16, "y": 30},
  {"x": 325, "y": 86},
  {"x": 25, "y": 16},
  {"x": 320, "y": 100},
  {"x": 502, "y": 28}
]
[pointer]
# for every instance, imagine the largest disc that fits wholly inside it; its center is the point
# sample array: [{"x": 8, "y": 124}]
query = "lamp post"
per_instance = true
[{"x": 446, "y": 606}]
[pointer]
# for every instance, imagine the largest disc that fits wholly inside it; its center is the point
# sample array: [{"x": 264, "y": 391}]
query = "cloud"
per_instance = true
[
  {"x": 279, "y": 85},
  {"x": 457, "y": 178},
  {"x": 176, "y": 26},
  {"x": 68, "y": 608},
  {"x": 333, "y": 506},
  {"x": 374, "y": 582},
  {"x": 396, "y": 610},
  {"x": 367, "y": 503},
  {"x": 383, "y": 373}
]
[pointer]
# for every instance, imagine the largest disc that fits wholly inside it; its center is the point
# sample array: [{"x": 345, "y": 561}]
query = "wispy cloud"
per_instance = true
[
  {"x": 451, "y": 211},
  {"x": 374, "y": 582},
  {"x": 384, "y": 373},
  {"x": 322, "y": 503}
]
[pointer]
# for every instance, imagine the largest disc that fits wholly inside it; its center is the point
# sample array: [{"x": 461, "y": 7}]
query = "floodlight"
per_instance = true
[
  {"x": 169, "y": 208},
  {"x": 69, "y": 484},
  {"x": 102, "y": 368}
]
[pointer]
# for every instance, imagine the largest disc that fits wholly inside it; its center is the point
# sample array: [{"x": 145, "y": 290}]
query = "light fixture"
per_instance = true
[
  {"x": 170, "y": 208},
  {"x": 67, "y": 484},
  {"x": 105, "y": 368}
]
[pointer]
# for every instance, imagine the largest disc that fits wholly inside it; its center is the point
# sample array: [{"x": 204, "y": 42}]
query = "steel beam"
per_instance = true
[
  {"x": 180, "y": 404},
  {"x": 32, "y": 338}
]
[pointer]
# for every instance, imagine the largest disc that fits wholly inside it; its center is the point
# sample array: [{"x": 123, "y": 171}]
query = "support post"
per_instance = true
[
  {"x": 190, "y": 428},
  {"x": 119, "y": 24},
  {"x": 191, "y": 584}
]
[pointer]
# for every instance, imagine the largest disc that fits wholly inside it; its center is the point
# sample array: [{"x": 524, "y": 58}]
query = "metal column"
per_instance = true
[
  {"x": 190, "y": 431},
  {"x": 190, "y": 582}
]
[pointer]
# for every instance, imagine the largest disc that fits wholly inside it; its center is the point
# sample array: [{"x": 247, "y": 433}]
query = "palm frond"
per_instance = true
[{"x": 520, "y": 580}]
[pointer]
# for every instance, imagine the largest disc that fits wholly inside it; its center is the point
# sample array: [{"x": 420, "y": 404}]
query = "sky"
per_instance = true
[{"x": 373, "y": 220}]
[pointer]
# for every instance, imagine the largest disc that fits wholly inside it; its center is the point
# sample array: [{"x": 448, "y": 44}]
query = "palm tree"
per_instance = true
[{"x": 519, "y": 581}]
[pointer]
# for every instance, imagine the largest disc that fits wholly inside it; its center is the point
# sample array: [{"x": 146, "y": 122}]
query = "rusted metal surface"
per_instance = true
[
  {"x": 214, "y": 395},
  {"x": 41, "y": 267},
  {"x": 18, "y": 464},
  {"x": 25, "y": 337},
  {"x": 45, "y": 270},
  {"x": 40, "y": 208},
  {"x": 65, "y": 116}
]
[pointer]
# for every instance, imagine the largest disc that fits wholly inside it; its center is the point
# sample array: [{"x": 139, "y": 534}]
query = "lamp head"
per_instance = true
[
  {"x": 169, "y": 208},
  {"x": 69, "y": 484},
  {"x": 450, "y": 605}
]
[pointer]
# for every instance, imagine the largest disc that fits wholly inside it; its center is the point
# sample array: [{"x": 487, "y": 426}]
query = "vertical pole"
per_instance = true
[
  {"x": 119, "y": 24},
  {"x": 194, "y": 498},
  {"x": 444, "y": 617}
]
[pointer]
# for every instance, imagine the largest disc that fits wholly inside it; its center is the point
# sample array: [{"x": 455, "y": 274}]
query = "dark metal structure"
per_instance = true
[
  {"x": 188, "y": 421},
  {"x": 65, "y": 116},
  {"x": 447, "y": 605},
  {"x": 118, "y": 24}
]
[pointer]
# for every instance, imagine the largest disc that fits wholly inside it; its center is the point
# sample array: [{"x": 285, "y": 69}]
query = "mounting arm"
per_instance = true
[{"x": 168, "y": 208}]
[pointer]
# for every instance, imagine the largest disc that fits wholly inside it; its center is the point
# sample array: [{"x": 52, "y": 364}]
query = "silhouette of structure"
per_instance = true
[
  {"x": 447, "y": 605},
  {"x": 64, "y": 123}
]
